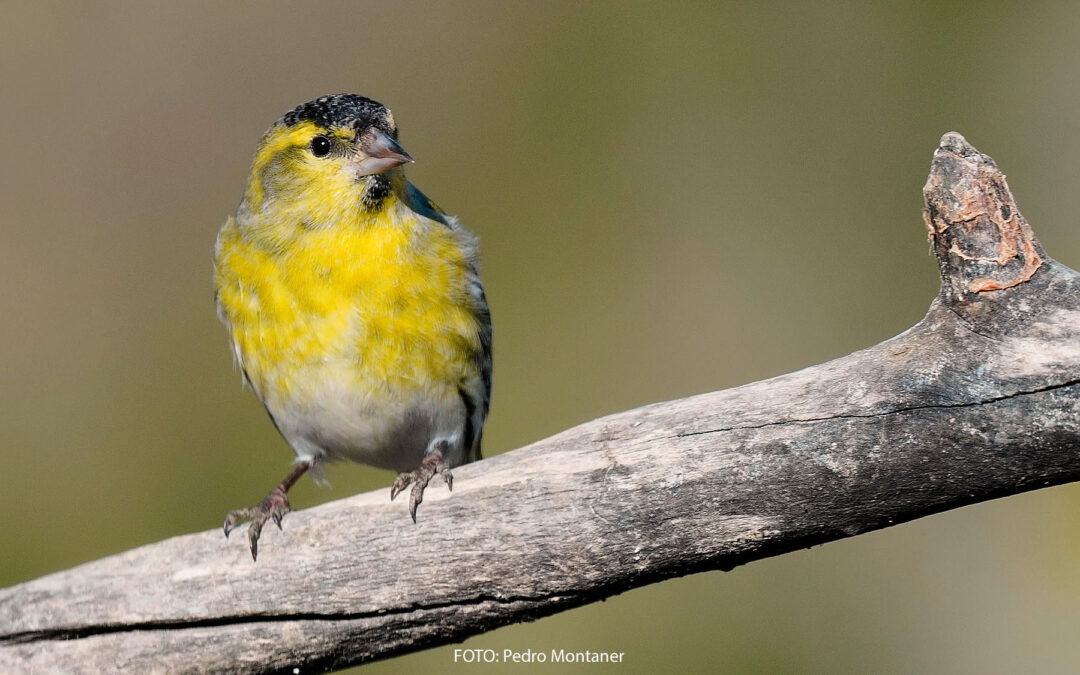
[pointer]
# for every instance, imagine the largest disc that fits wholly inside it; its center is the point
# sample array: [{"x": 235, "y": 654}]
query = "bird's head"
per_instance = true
[{"x": 335, "y": 152}]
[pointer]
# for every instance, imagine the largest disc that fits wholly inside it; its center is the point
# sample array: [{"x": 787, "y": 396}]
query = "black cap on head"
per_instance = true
[{"x": 343, "y": 110}]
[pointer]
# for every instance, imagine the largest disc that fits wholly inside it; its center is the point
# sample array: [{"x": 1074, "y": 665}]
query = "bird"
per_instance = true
[{"x": 353, "y": 305}]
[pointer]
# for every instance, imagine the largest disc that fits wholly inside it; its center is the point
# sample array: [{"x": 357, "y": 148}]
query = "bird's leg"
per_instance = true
[
  {"x": 274, "y": 506},
  {"x": 432, "y": 464}
]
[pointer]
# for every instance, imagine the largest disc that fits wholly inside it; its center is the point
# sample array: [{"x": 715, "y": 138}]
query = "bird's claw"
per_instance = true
[
  {"x": 420, "y": 477},
  {"x": 273, "y": 507}
]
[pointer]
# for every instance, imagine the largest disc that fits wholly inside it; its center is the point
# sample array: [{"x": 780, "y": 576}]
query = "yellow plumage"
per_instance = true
[
  {"x": 353, "y": 304},
  {"x": 384, "y": 297}
]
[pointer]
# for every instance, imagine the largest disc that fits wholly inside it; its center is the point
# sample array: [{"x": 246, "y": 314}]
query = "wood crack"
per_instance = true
[
  {"x": 79, "y": 632},
  {"x": 885, "y": 413}
]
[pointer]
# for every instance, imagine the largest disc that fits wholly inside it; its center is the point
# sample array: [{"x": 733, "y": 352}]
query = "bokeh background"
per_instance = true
[{"x": 670, "y": 200}]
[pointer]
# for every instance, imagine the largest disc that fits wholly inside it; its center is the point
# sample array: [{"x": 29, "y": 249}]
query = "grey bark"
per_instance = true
[{"x": 979, "y": 400}]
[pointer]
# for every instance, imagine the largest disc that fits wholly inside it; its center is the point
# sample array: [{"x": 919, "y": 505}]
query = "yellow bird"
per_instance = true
[{"x": 354, "y": 304}]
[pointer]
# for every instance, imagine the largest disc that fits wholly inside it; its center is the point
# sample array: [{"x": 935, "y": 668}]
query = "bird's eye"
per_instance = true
[{"x": 320, "y": 146}]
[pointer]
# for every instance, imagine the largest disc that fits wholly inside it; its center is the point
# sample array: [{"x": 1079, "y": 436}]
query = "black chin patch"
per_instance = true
[{"x": 378, "y": 187}]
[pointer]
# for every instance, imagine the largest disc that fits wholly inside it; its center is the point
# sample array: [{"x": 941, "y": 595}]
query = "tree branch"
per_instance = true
[{"x": 979, "y": 400}]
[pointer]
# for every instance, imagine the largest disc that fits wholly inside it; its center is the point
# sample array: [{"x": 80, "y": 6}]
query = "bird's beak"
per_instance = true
[{"x": 379, "y": 152}]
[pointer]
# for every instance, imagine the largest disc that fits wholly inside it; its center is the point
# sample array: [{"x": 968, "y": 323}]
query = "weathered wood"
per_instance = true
[{"x": 980, "y": 399}]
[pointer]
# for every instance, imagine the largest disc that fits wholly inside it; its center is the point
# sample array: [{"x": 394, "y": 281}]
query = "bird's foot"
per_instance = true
[
  {"x": 273, "y": 507},
  {"x": 420, "y": 477}
]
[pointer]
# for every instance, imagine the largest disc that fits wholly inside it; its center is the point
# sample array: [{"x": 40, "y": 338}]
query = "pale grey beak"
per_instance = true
[{"x": 380, "y": 153}]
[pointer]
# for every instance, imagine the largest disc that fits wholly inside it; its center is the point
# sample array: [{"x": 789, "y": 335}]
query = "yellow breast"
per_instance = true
[{"x": 379, "y": 303}]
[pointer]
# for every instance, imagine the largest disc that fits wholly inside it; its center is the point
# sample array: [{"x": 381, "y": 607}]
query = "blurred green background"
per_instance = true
[{"x": 670, "y": 200}]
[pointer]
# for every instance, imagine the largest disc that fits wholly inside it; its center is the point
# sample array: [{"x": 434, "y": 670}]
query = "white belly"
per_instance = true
[{"x": 334, "y": 421}]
